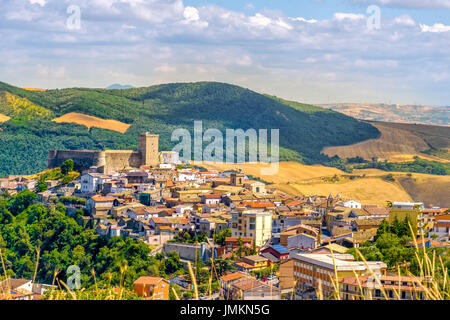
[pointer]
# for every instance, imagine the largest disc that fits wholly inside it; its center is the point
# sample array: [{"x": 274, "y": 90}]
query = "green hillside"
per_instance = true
[{"x": 304, "y": 130}]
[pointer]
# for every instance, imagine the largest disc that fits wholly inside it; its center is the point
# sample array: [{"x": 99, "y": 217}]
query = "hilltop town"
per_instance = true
[{"x": 270, "y": 244}]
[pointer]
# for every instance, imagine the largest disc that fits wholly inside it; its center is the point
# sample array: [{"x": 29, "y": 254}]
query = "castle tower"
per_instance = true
[
  {"x": 330, "y": 201},
  {"x": 148, "y": 148},
  {"x": 237, "y": 179}
]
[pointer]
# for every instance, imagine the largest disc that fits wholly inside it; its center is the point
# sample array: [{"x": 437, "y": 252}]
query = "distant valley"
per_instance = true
[{"x": 394, "y": 112}]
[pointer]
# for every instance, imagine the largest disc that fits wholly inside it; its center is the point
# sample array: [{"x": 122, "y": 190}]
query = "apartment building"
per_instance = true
[
  {"x": 310, "y": 268},
  {"x": 390, "y": 287},
  {"x": 252, "y": 223}
]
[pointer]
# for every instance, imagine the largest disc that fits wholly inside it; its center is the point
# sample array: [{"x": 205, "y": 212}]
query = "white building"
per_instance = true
[
  {"x": 92, "y": 182},
  {"x": 182, "y": 208},
  {"x": 188, "y": 176},
  {"x": 407, "y": 205},
  {"x": 352, "y": 204},
  {"x": 169, "y": 157},
  {"x": 166, "y": 166},
  {"x": 213, "y": 199}
]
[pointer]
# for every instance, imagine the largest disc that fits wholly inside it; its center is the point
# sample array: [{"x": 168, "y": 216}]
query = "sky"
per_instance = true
[{"x": 312, "y": 51}]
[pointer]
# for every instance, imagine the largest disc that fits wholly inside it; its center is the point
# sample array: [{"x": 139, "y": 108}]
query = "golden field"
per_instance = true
[
  {"x": 392, "y": 143},
  {"x": 34, "y": 89},
  {"x": 4, "y": 118},
  {"x": 91, "y": 121},
  {"x": 368, "y": 187},
  {"x": 435, "y": 190},
  {"x": 288, "y": 171},
  {"x": 369, "y": 190}
]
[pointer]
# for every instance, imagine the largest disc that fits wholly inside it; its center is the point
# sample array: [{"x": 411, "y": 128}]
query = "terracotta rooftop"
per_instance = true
[
  {"x": 233, "y": 276},
  {"x": 148, "y": 280}
]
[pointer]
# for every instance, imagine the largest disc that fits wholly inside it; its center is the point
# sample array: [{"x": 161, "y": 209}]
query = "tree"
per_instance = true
[
  {"x": 21, "y": 201},
  {"x": 223, "y": 266},
  {"x": 220, "y": 238},
  {"x": 383, "y": 228},
  {"x": 173, "y": 263},
  {"x": 41, "y": 186},
  {"x": 67, "y": 166},
  {"x": 387, "y": 240}
]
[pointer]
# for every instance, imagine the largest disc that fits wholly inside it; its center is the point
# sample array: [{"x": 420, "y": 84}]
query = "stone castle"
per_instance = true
[{"x": 108, "y": 161}]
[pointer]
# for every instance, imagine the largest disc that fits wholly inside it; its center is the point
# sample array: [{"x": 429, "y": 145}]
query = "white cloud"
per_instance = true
[
  {"x": 349, "y": 16},
  {"x": 191, "y": 14},
  {"x": 40, "y": 2},
  {"x": 165, "y": 68},
  {"x": 48, "y": 71},
  {"x": 437, "y": 27},
  {"x": 244, "y": 61},
  {"x": 127, "y": 26},
  {"x": 405, "y": 20},
  {"x": 260, "y": 21},
  {"x": 304, "y": 20}
]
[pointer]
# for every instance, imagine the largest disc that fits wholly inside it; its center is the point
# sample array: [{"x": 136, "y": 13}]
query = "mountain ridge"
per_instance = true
[{"x": 304, "y": 129}]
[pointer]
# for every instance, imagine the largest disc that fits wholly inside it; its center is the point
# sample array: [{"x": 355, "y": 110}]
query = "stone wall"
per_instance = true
[
  {"x": 110, "y": 160},
  {"x": 81, "y": 158},
  {"x": 188, "y": 251},
  {"x": 120, "y": 159},
  {"x": 106, "y": 161}
]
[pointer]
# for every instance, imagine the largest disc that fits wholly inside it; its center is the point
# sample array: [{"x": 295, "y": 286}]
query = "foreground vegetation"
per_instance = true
[{"x": 39, "y": 242}]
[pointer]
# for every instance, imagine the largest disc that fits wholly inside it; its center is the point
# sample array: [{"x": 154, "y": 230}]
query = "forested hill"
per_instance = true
[{"x": 25, "y": 139}]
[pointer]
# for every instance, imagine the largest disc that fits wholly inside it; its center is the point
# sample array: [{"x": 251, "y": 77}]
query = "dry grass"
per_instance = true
[
  {"x": 366, "y": 190},
  {"x": 91, "y": 121},
  {"x": 4, "y": 118},
  {"x": 34, "y": 89},
  {"x": 394, "y": 144},
  {"x": 431, "y": 189},
  {"x": 288, "y": 171}
]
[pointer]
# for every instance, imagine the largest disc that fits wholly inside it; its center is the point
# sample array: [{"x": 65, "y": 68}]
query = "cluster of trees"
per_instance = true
[
  {"x": 221, "y": 236},
  {"x": 189, "y": 237},
  {"x": 391, "y": 244},
  {"x": 21, "y": 108},
  {"x": 266, "y": 272},
  {"x": 417, "y": 166},
  {"x": 72, "y": 200},
  {"x": 441, "y": 153},
  {"x": 34, "y": 237},
  {"x": 65, "y": 174},
  {"x": 392, "y": 247}
]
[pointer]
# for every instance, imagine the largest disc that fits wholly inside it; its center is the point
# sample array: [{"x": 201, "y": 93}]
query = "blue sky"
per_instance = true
[
  {"x": 324, "y": 9},
  {"x": 313, "y": 51}
]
